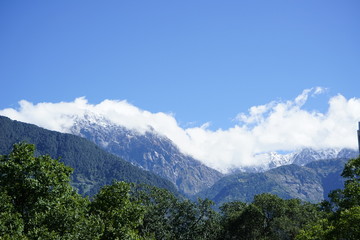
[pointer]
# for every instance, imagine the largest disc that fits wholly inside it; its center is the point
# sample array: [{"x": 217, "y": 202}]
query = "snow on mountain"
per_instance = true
[
  {"x": 274, "y": 159},
  {"x": 301, "y": 157},
  {"x": 309, "y": 155},
  {"x": 149, "y": 150}
]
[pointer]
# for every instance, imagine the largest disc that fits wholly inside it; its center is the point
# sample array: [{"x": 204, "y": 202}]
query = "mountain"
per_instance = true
[
  {"x": 149, "y": 151},
  {"x": 330, "y": 173},
  {"x": 302, "y": 174},
  {"x": 311, "y": 182},
  {"x": 302, "y": 157},
  {"x": 93, "y": 167},
  {"x": 158, "y": 154},
  {"x": 308, "y": 155}
]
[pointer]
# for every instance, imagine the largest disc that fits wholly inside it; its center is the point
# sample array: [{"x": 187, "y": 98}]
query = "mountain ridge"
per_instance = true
[
  {"x": 302, "y": 174},
  {"x": 312, "y": 182},
  {"x": 93, "y": 167},
  {"x": 150, "y": 151},
  {"x": 300, "y": 157}
]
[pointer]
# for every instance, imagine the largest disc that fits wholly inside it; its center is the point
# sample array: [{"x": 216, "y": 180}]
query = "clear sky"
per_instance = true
[
  {"x": 204, "y": 61},
  {"x": 227, "y": 63}
]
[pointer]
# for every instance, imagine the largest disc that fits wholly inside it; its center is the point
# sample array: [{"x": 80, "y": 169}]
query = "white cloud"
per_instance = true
[{"x": 275, "y": 126}]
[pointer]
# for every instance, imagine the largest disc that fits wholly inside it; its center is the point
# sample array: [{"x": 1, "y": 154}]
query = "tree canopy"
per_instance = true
[
  {"x": 342, "y": 208},
  {"x": 38, "y": 202}
]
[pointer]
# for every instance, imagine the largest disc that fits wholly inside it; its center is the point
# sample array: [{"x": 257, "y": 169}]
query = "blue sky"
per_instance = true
[{"x": 203, "y": 61}]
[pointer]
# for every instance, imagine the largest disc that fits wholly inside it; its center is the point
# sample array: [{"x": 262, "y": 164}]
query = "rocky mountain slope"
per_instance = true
[
  {"x": 159, "y": 155},
  {"x": 93, "y": 167},
  {"x": 149, "y": 151},
  {"x": 303, "y": 174},
  {"x": 308, "y": 155},
  {"x": 311, "y": 182},
  {"x": 301, "y": 157}
]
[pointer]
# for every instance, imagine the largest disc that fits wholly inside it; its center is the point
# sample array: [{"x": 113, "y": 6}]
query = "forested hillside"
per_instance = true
[
  {"x": 39, "y": 203},
  {"x": 93, "y": 167}
]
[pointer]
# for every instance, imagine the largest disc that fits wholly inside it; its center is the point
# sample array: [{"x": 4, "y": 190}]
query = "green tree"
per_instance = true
[
  {"x": 349, "y": 196},
  {"x": 169, "y": 217},
  {"x": 11, "y": 223},
  {"x": 121, "y": 215},
  {"x": 231, "y": 219},
  {"x": 297, "y": 214},
  {"x": 267, "y": 217},
  {"x": 319, "y": 230},
  {"x": 343, "y": 208},
  {"x": 39, "y": 198},
  {"x": 195, "y": 220},
  {"x": 159, "y": 205}
]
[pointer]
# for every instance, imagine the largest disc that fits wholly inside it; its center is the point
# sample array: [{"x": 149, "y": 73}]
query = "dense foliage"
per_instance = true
[
  {"x": 267, "y": 217},
  {"x": 38, "y": 202},
  {"x": 342, "y": 208}
]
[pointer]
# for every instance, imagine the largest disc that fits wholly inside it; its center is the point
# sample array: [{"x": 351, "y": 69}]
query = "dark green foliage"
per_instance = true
[
  {"x": 267, "y": 217},
  {"x": 29, "y": 179},
  {"x": 168, "y": 217},
  {"x": 350, "y": 196},
  {"x": 120, "y": 215},
  {"x": 343, "y": 208},
  {"x": 159, "y": 205},
  {"x": 11, "y": 223},
  {"x": 93, "y": 166},
  {"x": 38, "y": 201}
]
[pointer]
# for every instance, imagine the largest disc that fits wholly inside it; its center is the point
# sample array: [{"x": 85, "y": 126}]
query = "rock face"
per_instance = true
[
  {"x": 149, "y": 151},
  {"x": 293, "y": 181},
  {"x": 311, "y": 182},
  {"x": 308, "y": 155},
  {"x": 301, "y": 157}
]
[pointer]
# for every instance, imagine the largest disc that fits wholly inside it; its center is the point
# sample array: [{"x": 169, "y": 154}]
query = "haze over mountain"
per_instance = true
[{"x": 276, "y": 127}]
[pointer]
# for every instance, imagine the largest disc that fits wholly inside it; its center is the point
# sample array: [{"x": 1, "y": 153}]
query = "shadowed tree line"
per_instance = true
[{"x": 38, "y": 202}]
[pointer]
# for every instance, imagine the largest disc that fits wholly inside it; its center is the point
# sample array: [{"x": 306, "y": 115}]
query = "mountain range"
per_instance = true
[
  {"x": 93, "y": 166},
  {"x": 312, "y": 182},
  {"x": 301, "y": 157},
  {"x": 158, "y": 154},
  {"x": 149, "y": 151},
  {"x": 306, "y": 174}
]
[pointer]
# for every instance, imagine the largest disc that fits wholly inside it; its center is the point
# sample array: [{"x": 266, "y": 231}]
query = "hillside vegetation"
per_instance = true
[{"x": 38, "y": 202}]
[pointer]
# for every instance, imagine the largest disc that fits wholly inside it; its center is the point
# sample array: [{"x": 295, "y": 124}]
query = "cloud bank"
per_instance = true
[{"x": 275, "y": 126}]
